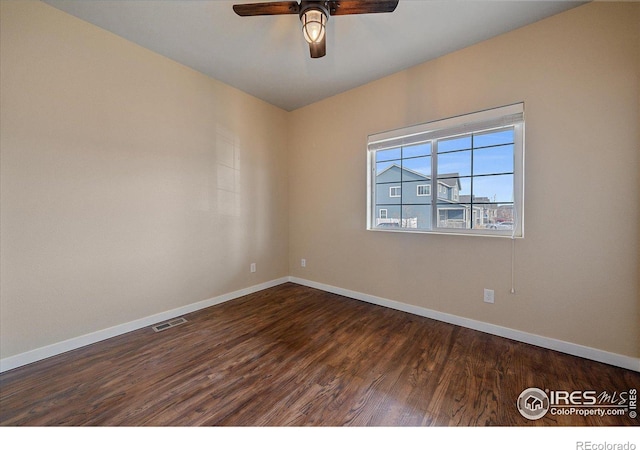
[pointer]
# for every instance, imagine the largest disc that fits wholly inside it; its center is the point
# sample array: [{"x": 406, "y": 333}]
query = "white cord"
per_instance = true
[
  {"x": 513, "y": 251},
  {"x": 513, "y": 259}
]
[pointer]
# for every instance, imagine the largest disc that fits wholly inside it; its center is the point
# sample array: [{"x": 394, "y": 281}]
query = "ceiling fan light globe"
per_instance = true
[{"x": 314, "y": 23}]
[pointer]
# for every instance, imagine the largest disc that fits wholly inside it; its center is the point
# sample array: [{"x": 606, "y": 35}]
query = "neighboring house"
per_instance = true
[
  {"x": 403, "y": 197},
  {"x": 451, "y": 213}
]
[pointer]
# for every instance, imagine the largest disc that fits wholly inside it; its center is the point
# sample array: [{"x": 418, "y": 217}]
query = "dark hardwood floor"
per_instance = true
[{"x": 293, "y": 356}]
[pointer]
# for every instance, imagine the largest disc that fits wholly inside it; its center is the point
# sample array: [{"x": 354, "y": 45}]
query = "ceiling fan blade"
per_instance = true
[
  {"x": 267, "y": 9},
  {"x": 344, "y": 7},
  {"x": 319, "y": 49}
]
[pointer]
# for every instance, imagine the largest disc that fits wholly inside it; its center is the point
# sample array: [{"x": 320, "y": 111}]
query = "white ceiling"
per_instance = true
[{"x": 268, "y": 57}]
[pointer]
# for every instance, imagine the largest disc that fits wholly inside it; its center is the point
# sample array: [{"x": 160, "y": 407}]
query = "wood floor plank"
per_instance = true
[{"x": 296, "y": 356}]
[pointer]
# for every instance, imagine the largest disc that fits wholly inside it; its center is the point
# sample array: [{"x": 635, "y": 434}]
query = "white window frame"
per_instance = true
[
  {"x": 397, "y": 189},
  {"x": 386, "y": 213},
  {"x": 427, "y": 189},
  {"x": 511, "y": 116}
]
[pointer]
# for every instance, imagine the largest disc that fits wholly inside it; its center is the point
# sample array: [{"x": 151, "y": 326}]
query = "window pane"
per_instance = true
[
  {"x": 498, "y": 188},
  {"x": 495, "y": 216},
  {"x": 482, "y": 215},
  {"x": 495, "y": 137},
  {"x": 465, "y": 187},
  {"x": 493, "y": 160},
  {"x": 458, "y": 143},
  {"x": 452, "y": 189},
  {"x": 387, "y": 217},
  {"x": 454, "y": 164},
  {"x": 423, "y": 149},
  {"x": 505, "y": 216},
  {"x": 412, "y": 195},
  {"x": 388, "y": 155},
  {"x": 416, "y": 216},
  {"x": 417, "y": 169},
  {"x": 389, "y": 171},
  {"x": 453, "y": 216}
]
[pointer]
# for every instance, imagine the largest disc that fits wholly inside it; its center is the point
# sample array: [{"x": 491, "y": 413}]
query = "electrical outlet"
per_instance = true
[
  {"x": 488, "y": 296},
  {"x": 253, "y": 267},
  {"x": 303, "y": 263}
]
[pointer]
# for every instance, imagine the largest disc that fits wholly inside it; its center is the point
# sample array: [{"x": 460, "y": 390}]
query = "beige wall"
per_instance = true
[
  {"x": 131, "y": 185},
  {"x": 576, "y": 270}
]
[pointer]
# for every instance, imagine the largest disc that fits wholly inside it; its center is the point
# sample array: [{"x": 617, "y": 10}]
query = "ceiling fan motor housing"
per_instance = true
[
  {"x": 308, "y": 5},
  {"x": 315, "y": 14}
]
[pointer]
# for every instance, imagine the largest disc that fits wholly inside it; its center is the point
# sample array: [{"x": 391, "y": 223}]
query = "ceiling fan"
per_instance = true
[{"x": 314, "y": 15}]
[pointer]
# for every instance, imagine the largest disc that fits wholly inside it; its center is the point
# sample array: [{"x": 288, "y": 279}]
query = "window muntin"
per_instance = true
[{"x": 474, "y": 163}]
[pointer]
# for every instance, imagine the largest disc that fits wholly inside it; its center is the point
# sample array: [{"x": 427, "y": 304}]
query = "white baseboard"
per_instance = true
[
  {"x": 48, "y": 351},
  {"x": 38, "y": 354},
  {"x": 614, "y": 359}
]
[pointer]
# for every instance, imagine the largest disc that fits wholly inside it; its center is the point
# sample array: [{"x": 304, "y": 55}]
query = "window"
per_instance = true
[
  {"x": 382, "y": 214},
  {"x": 473, "y": 162},
  {"x": 424, "y": 190}
]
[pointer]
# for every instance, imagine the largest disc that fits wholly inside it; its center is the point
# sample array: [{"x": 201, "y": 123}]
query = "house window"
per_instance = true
[
  {"x": 474, "y": 162},
  {"x": 424, "y": 190},
  {"x": 383, "y": 214}
]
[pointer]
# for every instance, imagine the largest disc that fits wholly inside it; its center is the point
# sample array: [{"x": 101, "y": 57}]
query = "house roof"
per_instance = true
[
  {"x": 450, "y": 179},
  {"x": 426, "y": 177}
]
